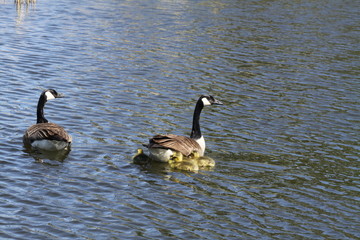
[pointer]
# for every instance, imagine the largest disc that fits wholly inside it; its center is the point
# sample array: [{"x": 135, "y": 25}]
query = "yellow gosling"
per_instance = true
[
  {"x": 179, "y": 162},
  {"x": 140, "y": 157},
  {"x": 202, "y": 161}
]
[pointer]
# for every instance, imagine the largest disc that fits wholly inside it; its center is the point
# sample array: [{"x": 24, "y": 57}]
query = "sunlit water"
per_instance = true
[{"x": 286, "y": 142}]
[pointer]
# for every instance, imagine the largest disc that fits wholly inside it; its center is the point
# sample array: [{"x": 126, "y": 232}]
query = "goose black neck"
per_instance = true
[
  {"x": 196, "y": 132},
  {"x": 40, "y": 110}
]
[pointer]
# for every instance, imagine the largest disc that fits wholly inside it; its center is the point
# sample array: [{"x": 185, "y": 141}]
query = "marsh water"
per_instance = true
[{"x": 286, "y": 140}]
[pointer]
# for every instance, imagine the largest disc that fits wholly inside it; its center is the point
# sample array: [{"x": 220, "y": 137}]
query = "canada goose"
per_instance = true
[
  {"x": 178, "y": 161},
  {"x": 202, "y": 161},
  {"x": 45, "y": 135},
  {"x": 140, "y": 157},
  {"x": 161, "y": 147}
]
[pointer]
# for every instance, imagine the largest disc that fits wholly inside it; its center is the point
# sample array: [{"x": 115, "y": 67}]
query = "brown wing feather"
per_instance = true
[
  {"x": 50, "y": 131},
  {"x": 182, "y": 144}
]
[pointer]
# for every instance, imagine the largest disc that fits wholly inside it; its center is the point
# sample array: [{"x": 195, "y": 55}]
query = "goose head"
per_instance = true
[
  {"x": 51, "y": 94},
  {"x": 44, "y": 97},
  {"x": 208, "y": 100},
  {"x": 204, "y": 100}
]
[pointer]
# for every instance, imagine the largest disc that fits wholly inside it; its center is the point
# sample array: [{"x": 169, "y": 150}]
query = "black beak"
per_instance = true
[{"x": 217, "y": 102}]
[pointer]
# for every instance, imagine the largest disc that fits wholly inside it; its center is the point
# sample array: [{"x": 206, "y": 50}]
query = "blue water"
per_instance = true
[{"x": 286, "y": 140}]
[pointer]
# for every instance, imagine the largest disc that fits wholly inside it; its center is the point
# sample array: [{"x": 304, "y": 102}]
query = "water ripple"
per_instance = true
[{"x": 285, "y": 141}]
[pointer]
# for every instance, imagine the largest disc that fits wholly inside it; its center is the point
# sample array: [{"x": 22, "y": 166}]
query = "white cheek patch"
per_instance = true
[
  {"x": 205, "y": 101},
  {"x": 49, "y": 96}
]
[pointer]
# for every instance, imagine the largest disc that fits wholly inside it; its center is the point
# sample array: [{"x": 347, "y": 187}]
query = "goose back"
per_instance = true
[
  {"x": 46, "y": 131},
  {"x": 182, "y": 144}
]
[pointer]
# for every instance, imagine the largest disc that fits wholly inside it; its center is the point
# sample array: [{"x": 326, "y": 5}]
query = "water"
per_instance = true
[{"x": 286, "y": 141}]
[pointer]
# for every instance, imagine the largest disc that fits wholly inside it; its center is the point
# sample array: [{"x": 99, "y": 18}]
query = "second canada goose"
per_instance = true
[
  {"x": 45, "y": 135},
  {"x": 162, "y": 147}
]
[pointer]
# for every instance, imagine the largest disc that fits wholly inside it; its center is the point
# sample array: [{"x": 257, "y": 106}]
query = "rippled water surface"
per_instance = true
[{"x": 286, "y": 142}]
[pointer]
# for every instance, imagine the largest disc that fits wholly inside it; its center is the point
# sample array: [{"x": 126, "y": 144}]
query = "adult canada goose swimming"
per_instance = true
[
  {"x": 45, "y": 135},
  {"x": 178, "y": 161},
  {"x": 161, "y": 147}
]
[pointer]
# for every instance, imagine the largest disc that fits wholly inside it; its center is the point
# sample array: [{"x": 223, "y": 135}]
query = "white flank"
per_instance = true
[
  {"x": 201, "y": 142},
  {"x": 50, "y": 145},
  {"x": 160, "y": 154},
  {"x": 49, "y": 95}
]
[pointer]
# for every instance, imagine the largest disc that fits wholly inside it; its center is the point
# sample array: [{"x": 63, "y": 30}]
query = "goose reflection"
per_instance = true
[{"x": 41, "y": 155}]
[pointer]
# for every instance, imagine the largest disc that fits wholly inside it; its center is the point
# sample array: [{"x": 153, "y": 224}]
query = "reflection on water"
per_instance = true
[
  {"x": 285, "y": 143},
  {"x": 42, "y": 155},
  {"x": 22, "y": 8}
]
